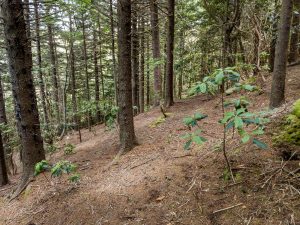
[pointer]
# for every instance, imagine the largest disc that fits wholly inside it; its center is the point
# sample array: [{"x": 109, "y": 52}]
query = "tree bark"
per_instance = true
[
  {"x": 156, "y": 51},
  {"x": 148, "y": 73},
  {"x": 76, "y": 119},
  {"x": 96, "y": 68},
  {"x": 3, "y": 145},
  {"x": 169, "y": 101},
  {"x": 112, "y": 33},
  {"x": 87, "y": 84},
  {"x": 53, "y": 68},
  {"x": 135, "y": 60},
  {"x": 20, "y": 66},
  {"x": 278, "y": 81},
  {"x": 39, "y": 62},
  {"x": 294, "y": 45},
  {"x": 127, "y": 135},
  {"x": 142, "y": 66}
]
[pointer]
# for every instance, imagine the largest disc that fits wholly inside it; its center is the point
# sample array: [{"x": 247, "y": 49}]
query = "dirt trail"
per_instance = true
[{"x": 158, "y": 182}]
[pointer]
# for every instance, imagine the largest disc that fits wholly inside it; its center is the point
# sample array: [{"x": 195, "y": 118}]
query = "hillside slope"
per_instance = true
[{"x": 158, "y": 182}]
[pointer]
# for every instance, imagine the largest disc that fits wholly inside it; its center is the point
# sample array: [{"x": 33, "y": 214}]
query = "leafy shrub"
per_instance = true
[
  {"x": 69, "y": 149},
  {"x": 57, "y": 170}
]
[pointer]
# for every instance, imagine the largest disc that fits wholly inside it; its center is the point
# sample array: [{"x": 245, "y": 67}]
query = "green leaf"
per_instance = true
[
  {"x": 188, "y": 121},
  {"x": 227, "y": 117},
  {"x": 240, "y": 111},
  {"x": 219, "y": 78},
  {"x": 199, "y": 116},
  {"x": 238, "y": 122},
  {"x": 259, "y": 131},
  {"x": 245, "y": 138},
  {"x": 260, "y": 144},
  {"x": 198, "y": 140},
  {"x": 203, "y": 88},
  {"x": 187, "y": 145},
  {"x": 229, "y": 125},
  {"x": 248, "y": 87}
]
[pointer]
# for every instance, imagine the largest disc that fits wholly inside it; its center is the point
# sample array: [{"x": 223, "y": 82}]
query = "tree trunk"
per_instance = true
[
  {"x": 294, "y": 48},
  {"x": 3, "y": 170},
  {"x": 127, "y": 136},
  {"x": 169, "y": 101},
  {"x": 53, "y": 68},
  {"x": 112, "y": 33},
  {"x": 274, "y": 38},
  {"x": 20, "y": 66},
  {"x": 156, "y": 51},
  {"x": 87, "y": 84},
  {"x": 142, "y": 66},
  {"x": 278, "y": 81},
  {"x": 3, "y": 145},
  {"x": 76, "y": 119},
  {"x": 39, "y": 62},
  {"x": 135, "y": 60},
  {"x": 180, "y": 79},
  {"x": 96, "y": 68},
  {"x": 148, "y": 73}
]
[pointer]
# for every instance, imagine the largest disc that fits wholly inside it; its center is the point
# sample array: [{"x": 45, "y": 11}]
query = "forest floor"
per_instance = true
[{"x": 160, "y": 183}]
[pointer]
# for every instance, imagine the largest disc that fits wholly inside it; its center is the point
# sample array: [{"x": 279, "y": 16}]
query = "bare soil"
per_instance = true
[{"x": 158, "y": 183}]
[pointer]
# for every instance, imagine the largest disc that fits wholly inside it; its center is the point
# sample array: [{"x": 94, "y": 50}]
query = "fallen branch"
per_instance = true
[
  {"x": 143, "y": 163},
  {"x": 230, "y": 207}
]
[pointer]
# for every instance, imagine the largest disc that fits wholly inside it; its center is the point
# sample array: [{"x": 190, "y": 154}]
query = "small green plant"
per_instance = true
[
  {"x": 195, "y": 136},
  {"x": 69, "y": 149},
  {"x": 57, "y": 170},
  {"x": 237, "y": 119}
]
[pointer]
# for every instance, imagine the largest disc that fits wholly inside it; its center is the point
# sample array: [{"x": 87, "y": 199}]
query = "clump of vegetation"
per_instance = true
[
  {"x": 69, "y": 149},
  {"x": 290, "y": 131},
  {"x": 239, "y": 119},
  {"x": 57, "y": 170}
]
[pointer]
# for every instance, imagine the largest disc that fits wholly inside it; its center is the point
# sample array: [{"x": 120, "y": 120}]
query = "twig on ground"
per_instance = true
[
  {"x": 230, "y": 207},
  {"x": 143, "y": 163}
]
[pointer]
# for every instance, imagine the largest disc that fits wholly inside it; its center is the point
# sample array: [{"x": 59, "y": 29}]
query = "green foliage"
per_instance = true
[
  {"x": 41, "y": 167},
  {"x": 69, "y": 149},
  {"x": 193, "y": 137},
  {"x": 193, "y": 120},
  {"x": 51, "y": 148},
  {"x": 58, "y": 169},
  {"x": 240, "y": 119},
  {"x": 289, "y": 132},
  {"x": 296, "y": 108}
]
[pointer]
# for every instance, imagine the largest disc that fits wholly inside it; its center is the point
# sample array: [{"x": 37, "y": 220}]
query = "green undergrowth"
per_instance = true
[{"x": 290, "y": 129}]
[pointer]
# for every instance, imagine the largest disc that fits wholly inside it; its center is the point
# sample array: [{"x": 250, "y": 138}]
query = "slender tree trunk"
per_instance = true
[
  {"x": 278, "y": 81},
  {"x": 156, "y": 51},
  {"x": 39, "y": 62},
  {"x": 20, "y": 66},
  {"x": 274, "y": 39},
  {"x": 100, "y": 62},
  {"x": 294, "y": 45},
  {"x": 142, "y": 66},
  {"x": 53, "y": 69},
  {"x": 148, "y": 73},
  {"x": 76, "y": 119},
  {"x": 112, "y": 33},
  {"x": 170, "y": 57},
  {"x": 180, "y": 79},
  {"x": 127, "y": 135},
  {"x": 87, "y": 84},
  {"x": 135, "y": 60},
  {"x": 3, "y": 145},
  {"x": 96, "y": 68},
  {"x": 5, "y": 137}
]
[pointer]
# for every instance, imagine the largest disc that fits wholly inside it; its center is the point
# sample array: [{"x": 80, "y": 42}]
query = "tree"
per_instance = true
[
  {"x": 294, "y": 48},
  {"x": 156, "y": 51},
  {"x": 169, "y": 101},
  {"x": 278, "y": 81},
  {"x": 20, "y": 66},
  {"x": 127, "y": 135},
  {"x": 3, "y": 170}
]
